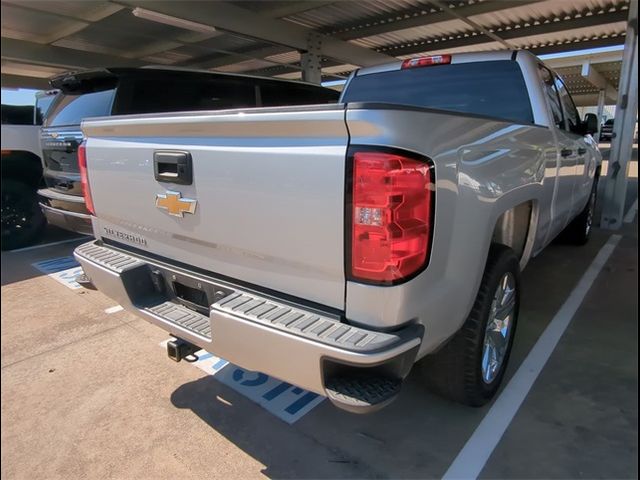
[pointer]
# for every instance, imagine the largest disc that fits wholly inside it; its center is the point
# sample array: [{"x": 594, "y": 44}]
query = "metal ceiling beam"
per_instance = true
[
  {"x": 476, "y": 26},
  {"x": 214, "y": 60},
  {"x": 19, "y": 81},
  {"x": 74, "y": 24},
  {"x": 579, "y": 45},
  {"x": 507, "y": 32},
  {"x": 578, "y": 60},
  {"x": 294, "y": 8},
  {"x": 230, "y": 18},
  {"x": 34, "y": 53},
  {"x": 596, "y": 79}
]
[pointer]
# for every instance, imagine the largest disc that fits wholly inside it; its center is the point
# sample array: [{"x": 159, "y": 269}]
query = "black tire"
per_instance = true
[
  {"x": 21, "y": 218},
  {"x": 579, "y": 230},
  {"x": 455, "y": 371}
]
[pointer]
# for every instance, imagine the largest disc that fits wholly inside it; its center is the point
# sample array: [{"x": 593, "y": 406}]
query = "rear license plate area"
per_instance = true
[
  {"x": 195, "y": 294},
  {"x": 193, "y": 298}
]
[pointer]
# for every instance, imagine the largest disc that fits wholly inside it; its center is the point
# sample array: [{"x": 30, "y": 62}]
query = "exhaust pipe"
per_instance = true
[{"x": 178, "y": 349}]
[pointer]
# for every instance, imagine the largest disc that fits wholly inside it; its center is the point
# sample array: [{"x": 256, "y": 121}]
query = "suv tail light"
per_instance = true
[
  {"x": 84, "y": 177},
  {"x": 391, "y": 216}
]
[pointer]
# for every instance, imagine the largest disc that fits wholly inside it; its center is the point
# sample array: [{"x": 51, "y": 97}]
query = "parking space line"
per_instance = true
[
  {"x": 631, "y": 213},
  {"x": 474, "y": 455},
  {"x": 35, "y": 247},
  {"x": 62, "y": 269},
  {"x": 116, "y": 309}
]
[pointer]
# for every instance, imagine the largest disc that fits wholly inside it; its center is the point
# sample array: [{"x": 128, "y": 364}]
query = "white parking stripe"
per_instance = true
[
  {"x": 474, "y": 455},
  {"x": 631, "y": 213},
  {"x": 115, "y": 309},
  {"x": 35, "y": 247}
]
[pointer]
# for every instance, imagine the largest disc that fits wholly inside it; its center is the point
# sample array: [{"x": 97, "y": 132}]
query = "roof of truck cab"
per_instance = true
[{"x": 153, "y": 69}]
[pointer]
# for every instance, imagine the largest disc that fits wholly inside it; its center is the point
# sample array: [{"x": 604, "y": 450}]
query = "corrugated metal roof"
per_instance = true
[
  {"x": 549, "y": 9},
  {"x": 398, "y": 28},
  {"x": 331, "y": 17}
]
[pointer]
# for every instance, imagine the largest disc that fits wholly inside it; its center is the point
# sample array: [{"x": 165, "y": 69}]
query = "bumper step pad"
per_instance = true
[
  {"x": 183, "y": 317},
  {"x": 362, "y": 394}
]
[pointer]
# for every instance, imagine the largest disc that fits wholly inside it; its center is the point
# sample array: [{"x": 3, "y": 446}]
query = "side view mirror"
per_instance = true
[{"x": 590, "y": 123}]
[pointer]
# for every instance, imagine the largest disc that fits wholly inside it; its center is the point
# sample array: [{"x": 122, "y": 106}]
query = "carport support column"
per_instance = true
[
  {"x": 600, "y": 112},
  {"x": 623, "y": 129},
  {"x": 310, "y": 59}
]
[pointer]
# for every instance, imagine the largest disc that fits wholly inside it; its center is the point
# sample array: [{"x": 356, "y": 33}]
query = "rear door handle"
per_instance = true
[
  {"x": 173, "y": 166},
  {"x": 582, "y": 151},
  {"x": 566, "y": 152}
]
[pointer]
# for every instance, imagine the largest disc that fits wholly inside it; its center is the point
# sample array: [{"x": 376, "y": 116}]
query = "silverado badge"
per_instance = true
[{"x": 176, "y": 206}]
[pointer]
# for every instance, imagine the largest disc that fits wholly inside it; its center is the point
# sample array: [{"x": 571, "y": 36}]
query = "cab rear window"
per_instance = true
[{"x": 494, "y": 89}]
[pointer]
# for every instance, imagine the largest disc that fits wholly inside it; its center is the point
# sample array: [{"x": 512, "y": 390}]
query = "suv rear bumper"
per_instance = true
[
  {"x": 295, "y": 343},
  {"x": 65, "y": 211}
]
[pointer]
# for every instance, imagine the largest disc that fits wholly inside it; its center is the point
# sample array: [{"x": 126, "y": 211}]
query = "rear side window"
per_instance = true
[
  {"x": 570, "y": 110},
  {"x": 494, "y": 89},
  {"x": 72, "y": 109},
  {"x": 278, "y": 94},
  {"x": 153, "y": 95}
]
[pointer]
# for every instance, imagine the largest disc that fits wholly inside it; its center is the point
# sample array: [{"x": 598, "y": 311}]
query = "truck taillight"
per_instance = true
[
  {"x": 391, "y": 216},
  {"x": 84, "y": 177},
  {"x": 426, "y": 61}
]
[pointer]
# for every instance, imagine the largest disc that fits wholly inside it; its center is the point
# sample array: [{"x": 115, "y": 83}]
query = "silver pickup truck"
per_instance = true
[{"x": 334, "y": 246}]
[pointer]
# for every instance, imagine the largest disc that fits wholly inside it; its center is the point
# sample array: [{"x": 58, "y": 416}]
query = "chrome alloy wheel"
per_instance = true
[{"x": 498, "y": 331}]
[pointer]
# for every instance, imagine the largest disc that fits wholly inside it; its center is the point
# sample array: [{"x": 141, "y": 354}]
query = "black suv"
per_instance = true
[
  {"x": 122, "y": 91},
  {"x": 606, "y": 132}
]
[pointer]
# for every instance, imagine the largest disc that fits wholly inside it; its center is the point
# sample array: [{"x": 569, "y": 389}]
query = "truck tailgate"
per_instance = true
[{"x": 269, "y": 186}]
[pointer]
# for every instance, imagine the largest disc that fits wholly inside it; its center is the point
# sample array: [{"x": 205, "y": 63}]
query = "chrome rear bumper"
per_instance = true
[{"x": 295, "y": 343}]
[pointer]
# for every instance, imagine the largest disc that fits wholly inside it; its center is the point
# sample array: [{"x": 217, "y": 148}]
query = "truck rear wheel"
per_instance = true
[
  {"x": 470, "y": 367},
  {"x": 22, "y": 220}
]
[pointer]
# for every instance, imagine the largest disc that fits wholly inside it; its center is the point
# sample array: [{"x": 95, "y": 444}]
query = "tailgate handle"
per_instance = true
[{"x": 173, "y": 166}]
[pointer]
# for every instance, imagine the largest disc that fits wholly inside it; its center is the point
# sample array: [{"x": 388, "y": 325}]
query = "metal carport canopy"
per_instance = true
[
  {"x": 322, "y": 40},
  {"x": 40, "y": 38}
]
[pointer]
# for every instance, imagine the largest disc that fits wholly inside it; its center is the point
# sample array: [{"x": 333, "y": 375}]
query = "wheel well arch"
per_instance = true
[{"x": 515, "y": 228}]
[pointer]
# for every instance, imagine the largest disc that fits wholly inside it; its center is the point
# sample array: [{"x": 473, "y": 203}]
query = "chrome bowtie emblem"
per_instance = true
[{"x": 174, "y": 205}]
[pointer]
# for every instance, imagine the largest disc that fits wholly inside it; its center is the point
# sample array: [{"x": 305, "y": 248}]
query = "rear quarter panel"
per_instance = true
[{"x": 482, "y": 168}]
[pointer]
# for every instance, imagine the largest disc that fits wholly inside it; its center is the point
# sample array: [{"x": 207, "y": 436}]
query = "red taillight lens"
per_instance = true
[
  {"x": 84, "y": 177},
  {"x": 391, "y": 216},
  {"x": 426, "y": 61}
]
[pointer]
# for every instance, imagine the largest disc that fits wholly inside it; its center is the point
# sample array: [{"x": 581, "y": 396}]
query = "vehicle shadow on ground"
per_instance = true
[
  {"x": 331, "y": 443},
  {"x": 17, "y": 265}
]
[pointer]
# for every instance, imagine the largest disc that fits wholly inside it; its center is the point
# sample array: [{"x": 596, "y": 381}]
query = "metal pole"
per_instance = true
[
  {"x": 600, "y": 112},
  {"x": 310, "y": 59},
  {"x": 623, "y": 128}
]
